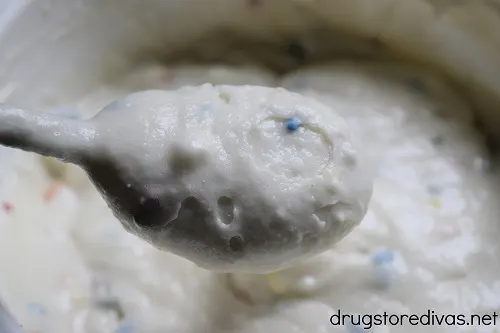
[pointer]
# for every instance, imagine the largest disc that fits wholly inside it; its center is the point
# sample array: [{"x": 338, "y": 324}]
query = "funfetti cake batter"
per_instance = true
[{"x": 428, "y": 241}]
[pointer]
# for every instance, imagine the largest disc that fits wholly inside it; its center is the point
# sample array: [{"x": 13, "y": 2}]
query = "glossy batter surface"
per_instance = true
[
  {"x": 233, "y": 178},
  {"x": 429, "y": 241}
]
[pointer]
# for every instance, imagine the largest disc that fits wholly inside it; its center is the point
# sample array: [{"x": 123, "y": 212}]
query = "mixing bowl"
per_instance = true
[{"x": 51, "y": 48}]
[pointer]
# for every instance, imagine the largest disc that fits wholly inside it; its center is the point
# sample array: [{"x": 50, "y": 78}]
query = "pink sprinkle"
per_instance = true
[
  {"x": 7, "y": 207},
  {"x": 52, "y": 191}
]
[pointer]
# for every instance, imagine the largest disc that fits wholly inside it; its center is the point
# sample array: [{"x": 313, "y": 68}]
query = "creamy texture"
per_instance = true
[
  {"x": 429, "y": 240},
  {"x": 234, "y": 178}
]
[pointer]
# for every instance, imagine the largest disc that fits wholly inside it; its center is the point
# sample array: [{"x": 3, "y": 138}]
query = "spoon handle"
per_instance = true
[
  {"x": 46, "y": 134},
  {"x": 7, "y": 323}
]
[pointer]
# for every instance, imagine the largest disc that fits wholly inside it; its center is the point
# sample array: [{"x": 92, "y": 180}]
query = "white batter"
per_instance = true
[
  {"x": 429, "y": 240},
  {"x": 234, "y": 178}
]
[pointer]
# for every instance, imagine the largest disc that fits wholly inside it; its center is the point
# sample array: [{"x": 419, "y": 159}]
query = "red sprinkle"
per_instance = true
[
  {"x": 51, "y": 192},
  {"x": 7, "y": 207}
]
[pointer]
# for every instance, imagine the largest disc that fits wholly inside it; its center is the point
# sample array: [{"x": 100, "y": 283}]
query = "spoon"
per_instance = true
[
  {"x": 235, "y": 179},
  {"x": 7, "y": 322}
]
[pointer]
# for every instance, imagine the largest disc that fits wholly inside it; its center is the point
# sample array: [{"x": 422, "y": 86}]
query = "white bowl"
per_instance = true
[{"x": 53, "y": 46}]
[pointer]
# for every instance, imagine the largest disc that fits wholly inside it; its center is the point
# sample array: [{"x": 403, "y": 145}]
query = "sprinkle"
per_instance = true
[
  {"x": 224, "y": 97},
  {"x": 435, "y": 203},
  {"x": 382, "y": 257},
  {"x": 7, "y": 207},
  {"x": 51, "y": 192},
  {"x": 383, "y": 269},
  {"x": 383, "y": 277},
  {"x": 37, "y": 309},
  {"x": 292, "y": 124}
]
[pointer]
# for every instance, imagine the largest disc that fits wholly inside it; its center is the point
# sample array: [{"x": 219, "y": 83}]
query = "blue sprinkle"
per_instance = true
[
  {"x": 292, "y": 124},
  {"x": 383, "y": 278},
  {"x": 382, "y": 257},
  {"x": 125, "y": 327},
  {"x": 384, "y": 272},
  {"x": 37, "y": 309}
]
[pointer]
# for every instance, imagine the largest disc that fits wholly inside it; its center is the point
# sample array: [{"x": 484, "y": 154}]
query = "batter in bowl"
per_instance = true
[
  {"x": 427, "y": 242},
  {"x": 428, "y": 239}
]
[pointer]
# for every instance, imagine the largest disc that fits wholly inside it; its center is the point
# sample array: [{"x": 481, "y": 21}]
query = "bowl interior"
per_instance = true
[{"x": 67, "y": 45}]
